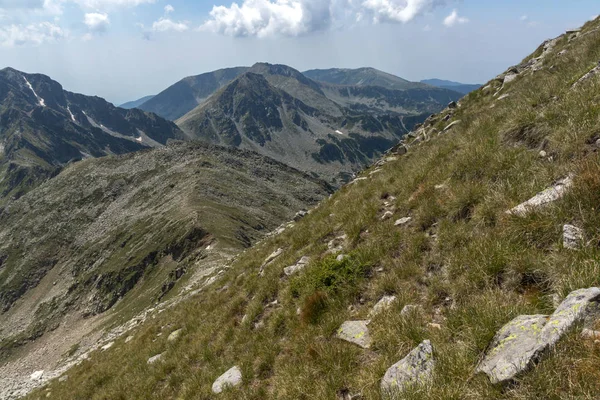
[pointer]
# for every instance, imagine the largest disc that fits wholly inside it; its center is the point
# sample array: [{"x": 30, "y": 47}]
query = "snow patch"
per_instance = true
[
  {"x": 39, "y": 99},
  {"x": 72, "y": 116},
  {"x": 139, "y": 139},
  {"x": 339, "y": 132}
]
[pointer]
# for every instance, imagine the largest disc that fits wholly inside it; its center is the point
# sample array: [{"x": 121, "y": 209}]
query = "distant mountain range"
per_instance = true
[
  {"x": 136, "y": 103},
  {"x": 463, "y": 88},
  {"x": 43, "y": 127}
]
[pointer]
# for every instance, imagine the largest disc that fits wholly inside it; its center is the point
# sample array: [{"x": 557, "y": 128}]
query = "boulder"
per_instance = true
[
  {"x": 107, "y": 346},
  {"x": 549, "y": 195},
  {"x": 233, "y": 377},
  {"x": 523, "y": 340},
  {"x": 387, "y": 215},
  {"x": 384, "y": 303},
  {"x": 355, "y": 332},
  {"x": 572, "y": 237},
  {"x": 299, "y": 266},
  {"x": 416, "y": 368},
  {"x": 37, "y": 376},
  {"x": 335, "y": 246},
  {"x": 300, "y": 214}
]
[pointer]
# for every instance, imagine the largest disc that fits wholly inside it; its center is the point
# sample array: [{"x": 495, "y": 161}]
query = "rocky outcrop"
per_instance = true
[
  {"x": 231, "y": 378},
  {"x": 524, "y": 339},
  {"x": 299, "y": 266},
  {"x": 593, "y": 73},
  {"x": 269, "y": 260},
  {"x": 416, "y": 368}
]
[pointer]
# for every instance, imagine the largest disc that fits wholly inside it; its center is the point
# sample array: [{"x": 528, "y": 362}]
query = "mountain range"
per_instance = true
[{"x": 463, "y": 88}]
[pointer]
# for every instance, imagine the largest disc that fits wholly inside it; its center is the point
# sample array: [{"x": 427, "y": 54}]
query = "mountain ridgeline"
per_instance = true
[{"x": 43, "y": 128}]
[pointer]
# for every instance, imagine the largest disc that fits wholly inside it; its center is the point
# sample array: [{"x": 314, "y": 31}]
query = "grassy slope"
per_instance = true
[{"x": 472, "y": 267}]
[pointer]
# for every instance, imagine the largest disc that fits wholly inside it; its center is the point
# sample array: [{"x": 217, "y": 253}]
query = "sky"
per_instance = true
[{"x": 126, "y": 49}]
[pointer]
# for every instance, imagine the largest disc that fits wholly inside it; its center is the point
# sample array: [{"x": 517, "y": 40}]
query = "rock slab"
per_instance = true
[
  {"x": 382, "y": 305},
  {"x": 299, "y": 266},
  {"x": 543, "y": 198},
  {"x": 572, "y": 237},
  {"x": 233, "y": 377},
  {"x": 355, "y": 332},
  {"x": 416, "y": 368}
]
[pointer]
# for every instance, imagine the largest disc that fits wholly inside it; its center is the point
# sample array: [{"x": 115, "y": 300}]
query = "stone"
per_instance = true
[
  {"x": 387, "y": 215},
  {"x": 107, "y": 346},
  {"x": 504, "y": 96},
  {"x": 451, "y": 125},
  {"x": 300, "y": 214},
  {"x": 434, "y": 326},
  {"x": 269, "y": 260},
  {"x": 341, "y": 257},
  {"x": 416, "y": 368},
  {"x": 402, "y": 221},
  {"x": 128, "y": 339},
  {"x": 174, "y": 335},
  {"x": 572, "y": 237},
  {"x": 63, "y": 378},
  {"x": 522, "y": 341},
  {"x": 590, "y": 334},
  {"x": 231, "y": 378},
  {"x": 510, "y": 77},
  {"x": 549, "y": 195},
  {"x": 336, "y": 245},
  {"x": 155, "y": 358},
  {"x": 543, "y": 154},
  {"x": 382, "y": 305},
  {"x": 355, "y": 332},
  {"x": 37, "y": 375},
  {"x": 410, "y": 309},
  {"x": 299, "y": 266},
  {"x": 594, "y": 72},
  {"x": 513, "y": 348}
]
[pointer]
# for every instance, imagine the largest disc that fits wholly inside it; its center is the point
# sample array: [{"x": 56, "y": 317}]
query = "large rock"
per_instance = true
[
  {"x": 174, "y": 335},
  {"x": 299, "y": 266},
  {"x": 543, "y": 198},
  {"x": 416, "y": 368},
  {"x": 593, "y": 73},
  {"x": 355, "y": 332},
  {"x": 233, "y": 377},
  {"x": 155, "y": 359},
  {"x": 522, "y": 340},
  {"x": 269, "y": 260},
  {"x": 37, "y": 375},
  {"x": 572, "y": 237}
]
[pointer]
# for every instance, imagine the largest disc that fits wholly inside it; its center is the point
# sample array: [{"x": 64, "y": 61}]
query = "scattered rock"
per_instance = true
[
  {"x": 522, "y": 340},
  {"x": 416, "y": 368},
  {"x": 543, "y": 154},
  {"x": 451, "y": 125},
  {"x": 402, "y": 221},
  {"x": 410, "y": 309},
  {"x": 387, "y": 215},
  {"x": 107, "y": 346},
  {"x": 384, "y": 303},
  {"x": 594, "y": 72},
  {"x": 300, "y": 214},
  {"x": 572, "y": 237},
  {"x": 543, "y": 198},
  {"x": 37, "y": 376},
  {"x": 154, "y": 359},
  {"x": 355, "y": 332},
  {"x": 233, "y": 377},
  {"x": 299, "y": 266},
  {"x": 337, "y": 245},
  {"x": 174, "y": 335},
  {"x": 269, "y": 260}
]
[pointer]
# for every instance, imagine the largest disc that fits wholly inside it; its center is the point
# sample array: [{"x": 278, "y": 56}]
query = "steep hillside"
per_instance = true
[
  {"x": 43, "y": 127},
  {"x": 185, "y": 95},
  {"x": 136, "y": 103},
  {"x": 125, "y": 231},
  {"x": 463, "y": 88},
  {"x": 323, "y": 129},
  {"x": 429, "y": 228}
]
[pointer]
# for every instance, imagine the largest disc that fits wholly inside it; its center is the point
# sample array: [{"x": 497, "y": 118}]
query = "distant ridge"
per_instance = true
[
  {"x": 464, "y": 88},
  {"x": 136, "y": 103}
]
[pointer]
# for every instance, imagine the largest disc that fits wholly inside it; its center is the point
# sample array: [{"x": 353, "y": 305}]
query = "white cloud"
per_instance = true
[
  {"x": 169, "y": 9},
  {"x": 524, "y": 18},
  {"x": 454, "y": 19},
  {"x": 35, "y": 34},
  {"x": 109, "y": 4},
  {"x": 263, "y": 18},
  {"x": 96, "y": 22},
  {"x": 165, "y": 25}
]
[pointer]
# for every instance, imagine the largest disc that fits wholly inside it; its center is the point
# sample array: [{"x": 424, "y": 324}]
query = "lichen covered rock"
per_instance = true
[{"x": 416, "y": 368}]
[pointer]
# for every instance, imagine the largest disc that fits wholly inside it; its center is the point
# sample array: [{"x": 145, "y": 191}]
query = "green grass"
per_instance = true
[{"x": 469, "y": 265}]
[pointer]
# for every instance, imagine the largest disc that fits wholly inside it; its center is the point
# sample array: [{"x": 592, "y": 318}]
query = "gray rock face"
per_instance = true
[
  {"x": 233, "y": 377},
  {"x": 522, "y": 341},
  {"x": 572, "y": 237},
  {"x": 384, "y": 303},
  {"x": 299, "y": 266},
  {"x": 416, "y": 368},
  {"x": 355, "y": 332},
  {"x": 543, "y": 198}
]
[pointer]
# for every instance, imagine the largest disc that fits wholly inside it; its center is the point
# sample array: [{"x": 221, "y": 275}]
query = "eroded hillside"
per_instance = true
[{"x": 427, "y": 229}]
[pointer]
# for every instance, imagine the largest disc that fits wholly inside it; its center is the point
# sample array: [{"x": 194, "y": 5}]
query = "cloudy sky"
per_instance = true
[{"x": 125, "y": 49}]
